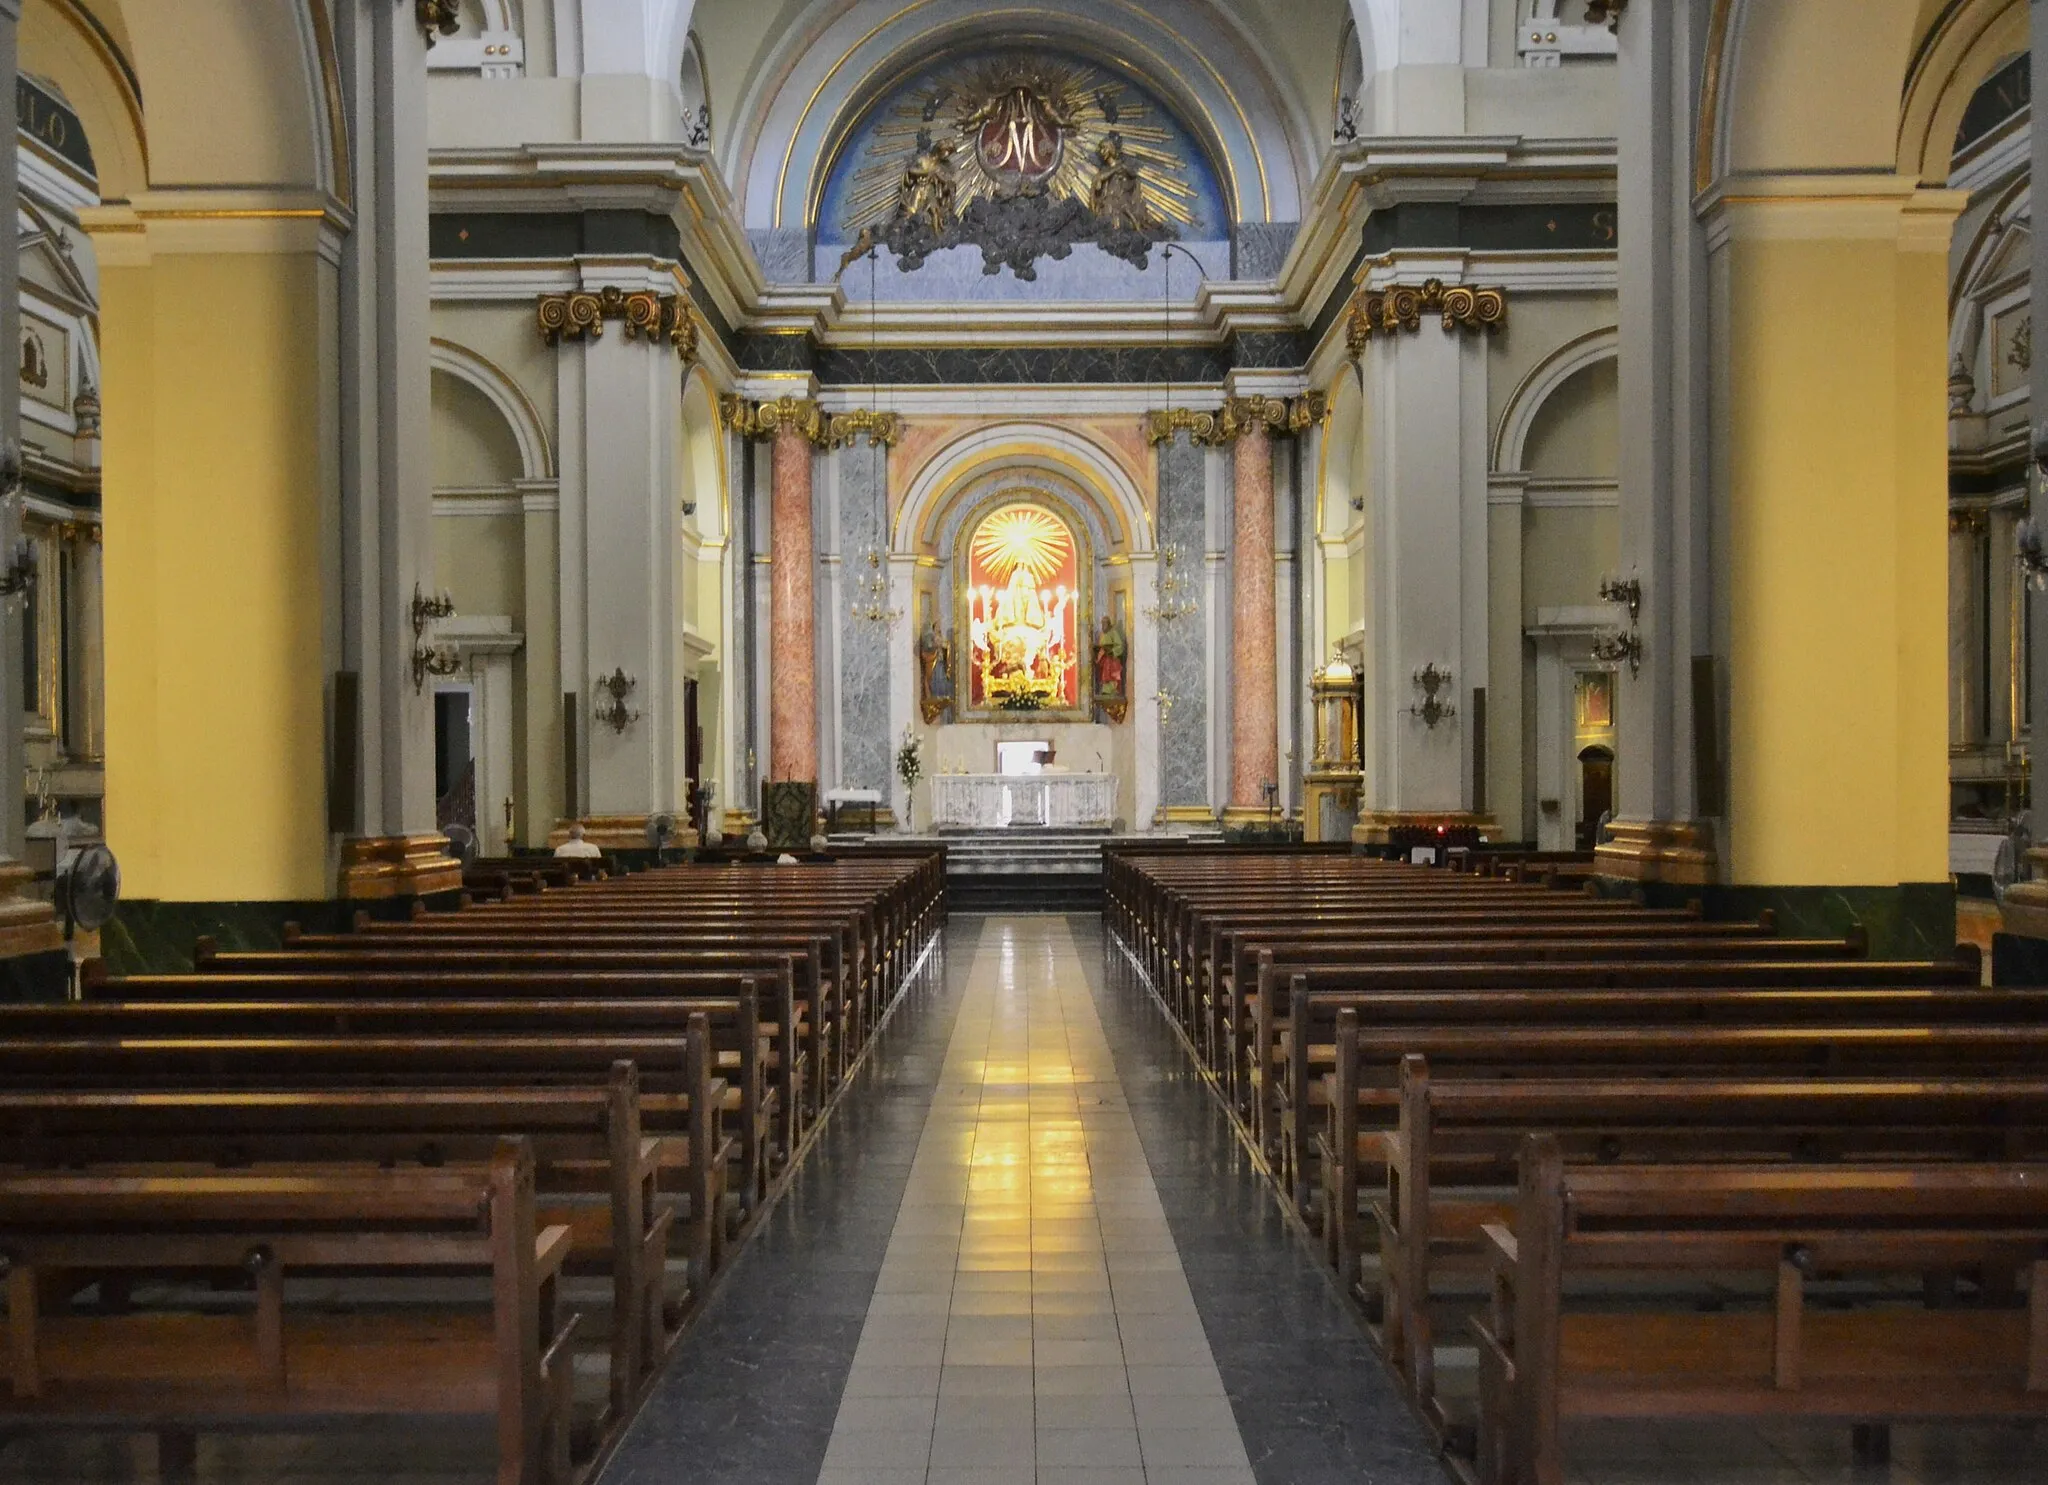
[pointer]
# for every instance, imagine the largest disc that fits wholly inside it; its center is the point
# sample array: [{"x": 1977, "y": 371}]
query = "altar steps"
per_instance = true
[{"x": 1021, "y": 870}]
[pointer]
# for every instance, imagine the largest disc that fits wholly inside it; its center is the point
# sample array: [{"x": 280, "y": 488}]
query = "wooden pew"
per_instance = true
[
  {"x": 502, "y": 1355},
  {"x": 1546, "y": 1358},
  {"x": 797, "y": 983},
  {"x": 768, "y": 1089},
  {"x": 758, "y": 1083},
  {"x": 1287, "y": 1056},
  {"x": 1457, "y": 1141},
  {"x": 585, "y": 1140}
]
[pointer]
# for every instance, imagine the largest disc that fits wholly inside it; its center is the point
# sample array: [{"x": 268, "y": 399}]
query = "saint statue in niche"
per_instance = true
[
  {"x": 1112, "y": 653},
  {"x": 935, "y": 671}
]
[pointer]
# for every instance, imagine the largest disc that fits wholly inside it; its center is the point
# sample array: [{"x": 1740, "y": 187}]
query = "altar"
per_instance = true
[{"x": 996, "y": 801}]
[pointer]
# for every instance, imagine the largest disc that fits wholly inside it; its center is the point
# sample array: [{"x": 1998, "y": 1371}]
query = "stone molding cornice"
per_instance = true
[
  {"x": 581, "y": 313},
  {"x": 1400, "y": 307},
  {"x": 1237, "y": 417}
]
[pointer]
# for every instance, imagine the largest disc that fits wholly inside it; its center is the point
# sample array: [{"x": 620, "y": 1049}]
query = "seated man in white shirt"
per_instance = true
[{"x": 576, "y": 845}]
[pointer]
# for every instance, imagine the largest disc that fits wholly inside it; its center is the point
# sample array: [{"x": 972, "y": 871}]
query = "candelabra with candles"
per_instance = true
[
  {"x": 871, "y": 593},
  {"x": 434, "y": 659},
  {"x": 1626, "y": 645},
  {"x": 1173, "y": 594}
]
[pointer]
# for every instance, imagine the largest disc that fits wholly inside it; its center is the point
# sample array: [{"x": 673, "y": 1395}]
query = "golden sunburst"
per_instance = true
[{"x": 1025, "y": 536}]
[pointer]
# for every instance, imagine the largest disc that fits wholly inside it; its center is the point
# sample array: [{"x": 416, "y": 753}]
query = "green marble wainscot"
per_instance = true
[
  {"x": 1916, "y": 920},
  {"x": 156, "y": 937}
]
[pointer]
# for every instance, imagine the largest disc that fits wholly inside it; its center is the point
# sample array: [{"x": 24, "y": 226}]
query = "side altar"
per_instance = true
[{"x": 998, "y": 801}]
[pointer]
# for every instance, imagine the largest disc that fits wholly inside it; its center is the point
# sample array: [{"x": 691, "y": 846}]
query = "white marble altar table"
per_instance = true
[{"x": 994, "y": 801}]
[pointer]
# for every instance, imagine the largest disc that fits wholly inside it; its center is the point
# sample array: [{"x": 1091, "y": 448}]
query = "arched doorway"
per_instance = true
[{"x": 1596, "y": 794}]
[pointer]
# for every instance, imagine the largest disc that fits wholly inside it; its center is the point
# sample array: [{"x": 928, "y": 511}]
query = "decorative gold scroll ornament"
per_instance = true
[
  {"x": 763, "y": 420},
  {"x": 882, "y": 428},
  {"x": 1606, "y": 11},
  {"x": 1238, "y": 416},
  {"x": 648, "y": 316},
  {"x": 443, "y": 16},
  {"x": 1385, "y": 311}
]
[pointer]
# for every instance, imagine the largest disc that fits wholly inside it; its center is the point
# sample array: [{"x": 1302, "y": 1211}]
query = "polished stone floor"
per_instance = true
[{"x": 1028, "y": 1249}]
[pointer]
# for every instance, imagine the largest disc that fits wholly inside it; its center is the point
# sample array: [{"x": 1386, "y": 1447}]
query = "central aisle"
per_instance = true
[
  {"x": 1031, "y": 1313},
  {"x": 1026, "y": 1249}
]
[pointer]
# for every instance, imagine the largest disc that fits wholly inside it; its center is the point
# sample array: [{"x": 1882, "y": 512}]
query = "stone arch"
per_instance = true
[
  {"x": 1968, "y": 44},
  {"x": 234, "y": 98},
  {"x": 805, "y": 97},
  {"x": 1067, "y": 456},
  {"x": 1844, "y": 85},
  {"x": 1525, "y": 404},
  {"x": 536, "y": 458}
]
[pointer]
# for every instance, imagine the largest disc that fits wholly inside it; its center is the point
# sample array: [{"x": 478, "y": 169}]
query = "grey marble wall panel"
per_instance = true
[
  {"x": 1262, "y": 247},
  {"x": 784, "y": 253},
  {"x": 864, "y": 644},
  {"x": 1183, "y": 662},
  {"x": 959, "y": 275},
  {"x": 1020, "y": 365}
]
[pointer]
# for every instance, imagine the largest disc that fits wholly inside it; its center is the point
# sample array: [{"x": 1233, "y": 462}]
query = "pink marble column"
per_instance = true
[
  {"x": 792, "y": 636},
  {"x": 1254, "y": 721}
]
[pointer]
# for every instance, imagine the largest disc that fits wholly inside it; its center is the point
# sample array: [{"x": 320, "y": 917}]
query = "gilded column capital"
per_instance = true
[
  {"x": 1237, "y": 416},
  {"x": 883, "y": 429},
  {"x": 648, "y": 316},
  {"x": 1401, "y": 308},
  {"x": 1160, "y": 426},
  {"x": 1607, "y": 12},
  {"x": 763, "y": 420}
]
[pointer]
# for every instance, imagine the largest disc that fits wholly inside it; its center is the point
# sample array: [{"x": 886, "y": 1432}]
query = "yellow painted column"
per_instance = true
[
  {"x": 217, "y": 424},
  {"x": 1832, "y": 463}
]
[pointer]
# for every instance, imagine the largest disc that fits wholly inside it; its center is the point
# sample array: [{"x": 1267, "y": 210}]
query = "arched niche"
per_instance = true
[
  {"x": 695, "y": 89},
  {"x": 475, "y": 449},
  {"x": 704, "y": 459},
  {"x": 1575, "y": 433},
  {"x": 1527, "y": 403},
  {"x": 482, "y": 380},
  {"x": 1059, "y": 454}
]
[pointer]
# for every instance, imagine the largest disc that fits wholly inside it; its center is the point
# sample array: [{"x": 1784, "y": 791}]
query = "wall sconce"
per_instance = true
[
  {"x": 1617, "y": 648},
  {"x": 1432, "y": 709},
  {"x": 1626, "y": 646},
  {"x": 1164, "y": 700},
  {"x": 429, "y": 659},
  {"x": 1628, "y": 591},
  {"x": 612, "y": 691},
  {"x": 689, "y": 508}
]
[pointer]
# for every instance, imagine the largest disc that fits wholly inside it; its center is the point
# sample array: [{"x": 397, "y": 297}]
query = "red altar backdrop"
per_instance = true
[{"x": 1023, "y": 611}]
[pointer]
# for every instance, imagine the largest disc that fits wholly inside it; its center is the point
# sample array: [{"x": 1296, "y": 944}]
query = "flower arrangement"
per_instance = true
[
  {"x": 909, "y": 768},
  {"x": 909, "y": 760}
]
